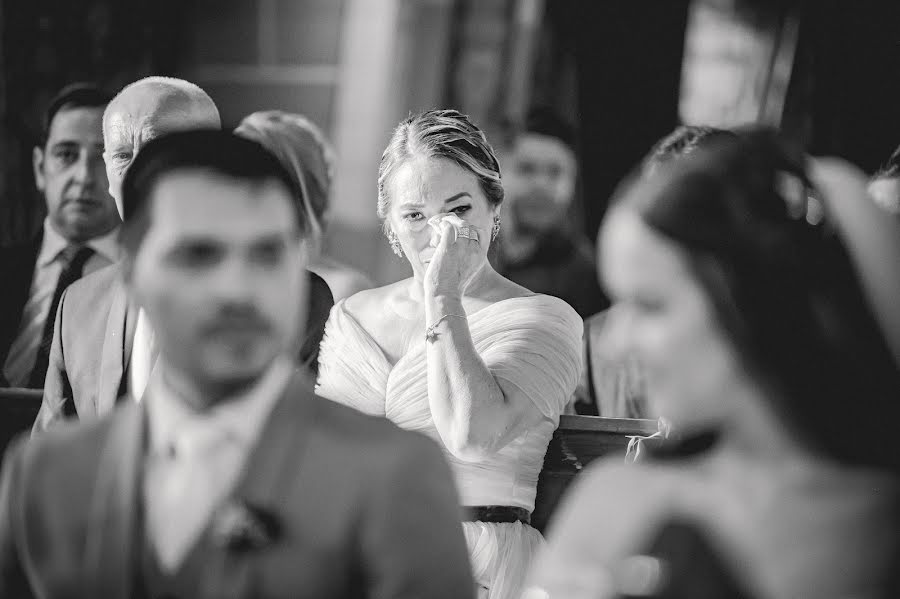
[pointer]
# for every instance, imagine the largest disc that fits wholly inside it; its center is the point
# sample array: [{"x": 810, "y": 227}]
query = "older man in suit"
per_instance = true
[
  {"x": 230, "y": 478},
  {"x": 102, "y": 344},
  {"x": 77, "y": 237}
]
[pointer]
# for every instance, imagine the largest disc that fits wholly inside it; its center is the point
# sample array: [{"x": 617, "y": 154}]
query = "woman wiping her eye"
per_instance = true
[{"x": 458, "y": 352}]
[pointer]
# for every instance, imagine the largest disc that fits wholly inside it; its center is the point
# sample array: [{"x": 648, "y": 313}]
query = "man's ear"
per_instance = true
[{"x": 37, "y": 160}]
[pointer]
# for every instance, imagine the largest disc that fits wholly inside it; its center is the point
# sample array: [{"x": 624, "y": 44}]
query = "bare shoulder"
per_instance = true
[
  {"x": 343, "y": 280},
  {"x": 369, "y": 307},
  {"x": 499, "y": 289},
  {"x": 369, "y": 301},
  {"x": 534, "y": 303},
  {"x": 504, "y": 289}
]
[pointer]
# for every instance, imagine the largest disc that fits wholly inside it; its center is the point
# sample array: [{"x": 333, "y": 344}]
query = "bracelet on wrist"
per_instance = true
[{"x": 431, "y": 334}]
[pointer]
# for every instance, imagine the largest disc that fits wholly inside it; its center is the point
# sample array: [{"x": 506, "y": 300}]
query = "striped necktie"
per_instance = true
[{"x": 73, "y": 260}]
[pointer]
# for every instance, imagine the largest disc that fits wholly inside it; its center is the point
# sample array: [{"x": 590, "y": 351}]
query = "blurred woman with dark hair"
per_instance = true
[
  {"x": 612, "y": 384},
  {"x": 759, "y": 345}
]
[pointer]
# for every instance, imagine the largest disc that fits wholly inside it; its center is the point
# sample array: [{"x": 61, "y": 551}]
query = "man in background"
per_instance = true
[
  {"x": 95, "y": 323},
  {"x": 541, "y": 248},
  {"x": 77, "y": 237}
]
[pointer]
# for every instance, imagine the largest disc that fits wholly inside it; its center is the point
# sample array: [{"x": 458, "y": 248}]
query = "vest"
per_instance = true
[{"x": 185, "y": 582}]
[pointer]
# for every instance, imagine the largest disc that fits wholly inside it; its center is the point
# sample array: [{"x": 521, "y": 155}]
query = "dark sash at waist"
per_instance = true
[{"x": 496, "y": 513}]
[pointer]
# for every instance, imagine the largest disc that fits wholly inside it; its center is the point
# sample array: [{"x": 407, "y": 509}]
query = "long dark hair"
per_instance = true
[{"x": 784, "y": 290}]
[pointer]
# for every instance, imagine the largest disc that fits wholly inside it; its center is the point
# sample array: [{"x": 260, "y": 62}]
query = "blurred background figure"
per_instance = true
[
  {"x": 612, "y": 384},
  {"x": 885, "y": 184},
  {"x": 541, "y": 247},
  {"x": 302, "y": 148},
  {"x": 77, "y": 236},
  {"x": 757, "y": 341}
]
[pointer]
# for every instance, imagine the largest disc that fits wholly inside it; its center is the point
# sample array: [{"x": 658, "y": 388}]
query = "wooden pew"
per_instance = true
[
  {"x": 577, "y": 442},
  {"x": 18, "y": 409}
]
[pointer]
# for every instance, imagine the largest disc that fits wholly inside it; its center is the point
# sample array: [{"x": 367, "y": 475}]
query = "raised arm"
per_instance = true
[
  {"x": 476, "y": 410},
  {"x": 475, "y": 413}
]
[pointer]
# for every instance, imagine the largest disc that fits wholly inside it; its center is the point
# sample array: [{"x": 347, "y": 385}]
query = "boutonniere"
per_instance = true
[{"x": 240, "y": 527}]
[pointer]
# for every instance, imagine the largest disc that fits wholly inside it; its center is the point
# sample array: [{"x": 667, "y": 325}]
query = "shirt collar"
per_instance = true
[
  {"x": 106, "y": 245},
  {"x": 172, "y": 423}
]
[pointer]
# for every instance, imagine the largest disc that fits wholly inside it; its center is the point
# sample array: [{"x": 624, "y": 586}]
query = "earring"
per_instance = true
[
  {"x": 394, "y": 243},
  {"x": 495, "y": 230}
]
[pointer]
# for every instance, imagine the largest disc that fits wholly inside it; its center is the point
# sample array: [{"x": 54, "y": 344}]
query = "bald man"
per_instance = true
[
  {"x": 144, "y": 110},
  {"x": 103, "y": 347}
]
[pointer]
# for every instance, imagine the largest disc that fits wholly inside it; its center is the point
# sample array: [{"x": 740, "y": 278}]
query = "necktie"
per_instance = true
[{"x": 73, "y": 261}]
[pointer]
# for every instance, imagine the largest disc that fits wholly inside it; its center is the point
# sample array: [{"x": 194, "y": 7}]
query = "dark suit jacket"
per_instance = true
[
  {"x": 363, "y": 509},
  {"x": 92, "y": 345},
  {"x": 17, "y": 269}
]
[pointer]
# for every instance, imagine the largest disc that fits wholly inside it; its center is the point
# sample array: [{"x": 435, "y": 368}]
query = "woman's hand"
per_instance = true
[{"x": 456, "y": 258}]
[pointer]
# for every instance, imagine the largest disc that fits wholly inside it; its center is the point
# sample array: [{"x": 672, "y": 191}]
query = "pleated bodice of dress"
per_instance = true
[{"x": 531, "y": 342}]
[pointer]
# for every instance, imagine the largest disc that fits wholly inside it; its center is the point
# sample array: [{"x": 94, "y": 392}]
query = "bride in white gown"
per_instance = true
[{"x": 458, "y": 352}]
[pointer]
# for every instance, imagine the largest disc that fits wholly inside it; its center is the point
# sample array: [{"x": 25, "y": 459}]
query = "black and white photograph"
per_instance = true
[{"x": 449, "y": 299}]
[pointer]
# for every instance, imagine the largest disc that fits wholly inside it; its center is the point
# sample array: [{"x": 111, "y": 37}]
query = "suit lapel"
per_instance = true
[
  {"x": 271, "y": 466},
  {"x": 113, "y": 532},
  {"x": 116, "y": 348}
]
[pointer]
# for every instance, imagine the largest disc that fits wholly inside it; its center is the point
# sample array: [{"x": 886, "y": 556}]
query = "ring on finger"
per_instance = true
[{"x": 467, "y": 232}]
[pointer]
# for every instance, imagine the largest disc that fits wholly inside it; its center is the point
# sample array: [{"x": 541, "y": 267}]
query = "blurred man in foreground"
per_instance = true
[{"x": 230, "y": 478}]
